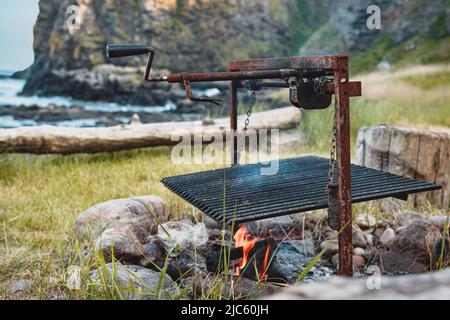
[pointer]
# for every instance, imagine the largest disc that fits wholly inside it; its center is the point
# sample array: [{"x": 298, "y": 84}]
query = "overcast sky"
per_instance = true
[{"x": 17, "y": 18}]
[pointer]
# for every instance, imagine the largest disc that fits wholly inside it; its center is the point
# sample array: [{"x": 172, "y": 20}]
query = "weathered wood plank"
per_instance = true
[{"x": 422, "y": 154}]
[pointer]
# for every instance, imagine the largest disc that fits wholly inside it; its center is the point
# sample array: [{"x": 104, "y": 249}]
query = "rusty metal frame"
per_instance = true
[
  {"x": 343, "y": 89},
  {"x": 284, "y": 68}
]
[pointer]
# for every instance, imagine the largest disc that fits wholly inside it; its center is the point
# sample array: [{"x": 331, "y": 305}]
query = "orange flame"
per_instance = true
[{"x": 244, "y": 238}]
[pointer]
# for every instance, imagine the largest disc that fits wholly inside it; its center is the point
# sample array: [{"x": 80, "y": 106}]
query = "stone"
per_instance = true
[
  {"x": 417, "y": 238},
  {"x": 236, "y": 288},
  {"x": 358, "y": 237},
  {"x": 153, "y": 252},
  {"x": 439, "y": 221},
  {"x": 396, "y": 263},
  {"x": 387, "y": 237},
  {"x": 217, "y": 234},
  {"x": 178, "y": 235},
  {"x": 335, "y": 259},
  {"x": 365, "y": 220},
  {"x": 427, "y": 286},
  {"x": 331, "y": 246},
  {"x": 122, "y": 243},
  {"x": 210, "y": 223},
  {"x": 185, "y": 264},
  {"x": 411, "y": 250},
  {"x": 381, "y": 224},
  {"x": 399, "y": 229},
  {"x": 244, "y": 288},
  {"x": 121, "y": 224},
  {"x": 369, "y": 239},
  {"x": 358, "y": 251},
  {"x": 306, "y": 246},
  {"x": 358, "y": 261},
  {"x": 19, "y": 286},
  {"x": 289, "y": 263},
  {"x": 405, "y": 218},
  {"x": 377, "y": 233},
  {"x": 329, "y": 233},
  {"x": 277, "y": 228},
  {"x": 145, "y": 281}
]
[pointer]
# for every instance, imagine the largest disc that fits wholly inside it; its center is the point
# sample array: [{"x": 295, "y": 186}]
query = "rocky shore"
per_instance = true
[{"x": 59, "y": 115}]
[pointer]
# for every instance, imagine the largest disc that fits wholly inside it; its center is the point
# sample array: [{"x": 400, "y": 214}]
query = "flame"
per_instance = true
[{"x": 245, "y": 239}]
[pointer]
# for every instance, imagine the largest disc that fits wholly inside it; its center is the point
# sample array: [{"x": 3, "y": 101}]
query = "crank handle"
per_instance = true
[
  {"x": 190, "y": 95},
  {"x": 127, "y": 50}
]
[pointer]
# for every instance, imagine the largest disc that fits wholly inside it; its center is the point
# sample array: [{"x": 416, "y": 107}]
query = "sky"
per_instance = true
[{"x": 17, "y": 18}]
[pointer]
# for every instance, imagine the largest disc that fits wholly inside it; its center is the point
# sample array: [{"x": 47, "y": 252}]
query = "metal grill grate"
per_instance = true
[{"x": 243, "y": 194}]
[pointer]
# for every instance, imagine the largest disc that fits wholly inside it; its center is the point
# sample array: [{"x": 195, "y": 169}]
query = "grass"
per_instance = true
[{"x": 41, "y": 196}]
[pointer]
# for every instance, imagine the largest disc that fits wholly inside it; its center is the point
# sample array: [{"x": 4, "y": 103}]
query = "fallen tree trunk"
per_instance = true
[
  {"x": 416, "y": 153},
  {"x": 59, "y": 140}
]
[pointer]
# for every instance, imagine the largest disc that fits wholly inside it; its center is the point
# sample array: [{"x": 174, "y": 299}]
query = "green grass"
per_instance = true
[
  {"x": 439, "y": 79},
  {"x": 317, "y": 123},
  {"x": 422, "y": 49},
  {"x": 41, "y": 196}
]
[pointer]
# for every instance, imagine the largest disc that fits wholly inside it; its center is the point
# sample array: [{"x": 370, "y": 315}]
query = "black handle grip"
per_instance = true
[{"x": 126, "y": 50}]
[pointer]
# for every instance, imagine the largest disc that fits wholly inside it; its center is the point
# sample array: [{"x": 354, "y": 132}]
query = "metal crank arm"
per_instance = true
[{"x": 190, "y": 95}]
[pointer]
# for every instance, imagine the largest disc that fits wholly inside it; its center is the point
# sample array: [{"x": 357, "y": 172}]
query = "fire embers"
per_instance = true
[{"x": 251, "y": 257}]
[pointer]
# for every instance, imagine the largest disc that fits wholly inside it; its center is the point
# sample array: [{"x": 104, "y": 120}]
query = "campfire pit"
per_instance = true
[{"x": 301, "y": 184}]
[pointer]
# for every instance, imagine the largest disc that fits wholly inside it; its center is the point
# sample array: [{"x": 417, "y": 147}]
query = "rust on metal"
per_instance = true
[
  {"x": 326, "y": 62},
  {"x": 233, "y": 121},
  {"x": 344, "y": 205},
  {"x": 311, "y": 81},
  {"x": 232, "y": 75},
  {"x": 190, "y": 95}
]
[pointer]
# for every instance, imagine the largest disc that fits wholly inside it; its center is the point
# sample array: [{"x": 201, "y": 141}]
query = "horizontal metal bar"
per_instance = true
[
  {"x": 232, "y": 75},
  {"x": 303, "y": 63}
]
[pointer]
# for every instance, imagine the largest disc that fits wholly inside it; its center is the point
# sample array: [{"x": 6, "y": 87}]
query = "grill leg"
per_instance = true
[
  {"x": 344, "y": 206},
  {"x": 233, "y": 121}
]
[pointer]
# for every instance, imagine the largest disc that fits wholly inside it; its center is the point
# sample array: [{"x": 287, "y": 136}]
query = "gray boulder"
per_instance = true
[
  {"x": 411, "y": 249},
  {"x": 134, "y": 282},
  {"x": 122, "y": 225}
]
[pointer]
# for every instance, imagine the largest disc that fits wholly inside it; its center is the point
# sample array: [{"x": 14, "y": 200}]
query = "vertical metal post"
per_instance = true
[
  {"x": 344, "y": 206},
  {"x": 233, "y": 121}
]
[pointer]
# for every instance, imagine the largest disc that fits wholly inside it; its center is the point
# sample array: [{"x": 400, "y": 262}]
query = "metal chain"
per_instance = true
[
  {"x": 332, "y": 162},
  {"x": 251, "y": 104}
]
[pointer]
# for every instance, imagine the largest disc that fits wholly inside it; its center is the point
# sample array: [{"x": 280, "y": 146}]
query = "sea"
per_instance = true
[{"x": 9, "y": 97}]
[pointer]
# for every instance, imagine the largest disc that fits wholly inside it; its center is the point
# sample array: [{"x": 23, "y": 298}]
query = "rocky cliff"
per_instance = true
[
  {"x": 412, "y": 31},
  {"x": 197, "y": 34},
  {"x": 204, "y": 34},
  {"x": 187, "y": 35}
]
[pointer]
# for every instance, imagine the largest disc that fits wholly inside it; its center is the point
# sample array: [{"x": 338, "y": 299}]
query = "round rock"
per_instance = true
[
  {"x": 365, "y": 220},
  {"x": 387, "y": 237}
]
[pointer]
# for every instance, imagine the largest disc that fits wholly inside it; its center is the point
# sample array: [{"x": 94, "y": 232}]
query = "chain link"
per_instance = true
[
  {"x": 332, "y": 162},
  {"x": 251, "y": 104}
]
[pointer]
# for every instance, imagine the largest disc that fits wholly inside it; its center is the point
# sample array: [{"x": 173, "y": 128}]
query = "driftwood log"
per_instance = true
[
  {"x": 430, "y": 285},
  {"x": 422, "y": 154},
  {"x": 59, "y": 140}
]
